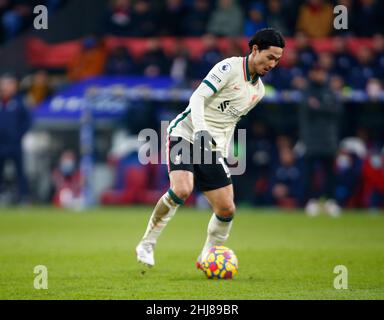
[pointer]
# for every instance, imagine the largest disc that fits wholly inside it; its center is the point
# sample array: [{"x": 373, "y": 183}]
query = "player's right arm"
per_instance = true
[{"x": 215, "y": 80}]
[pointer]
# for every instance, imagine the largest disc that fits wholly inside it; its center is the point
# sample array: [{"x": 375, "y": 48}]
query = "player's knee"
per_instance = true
[
  {"x": 226, "y": 209},
  {"x": 183, "y": 191}
]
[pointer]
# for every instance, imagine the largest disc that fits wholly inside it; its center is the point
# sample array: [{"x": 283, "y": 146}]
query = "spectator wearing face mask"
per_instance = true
[
  {"x": 119, "y": 18},
  {"x": 347, "y": 177},
  {"x": 373, "y": 180},
  {"x": 67, "y": 181}
]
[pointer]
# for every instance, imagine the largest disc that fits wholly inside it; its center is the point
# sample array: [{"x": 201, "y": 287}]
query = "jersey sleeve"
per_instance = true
[
  {"x": 219, "y": 75},
  {"x": 197, "y": 104}
]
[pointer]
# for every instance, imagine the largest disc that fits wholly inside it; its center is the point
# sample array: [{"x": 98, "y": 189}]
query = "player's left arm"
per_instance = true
[
  {"x": 197, "y": 104},
  {"x": 215, "y": 80}
]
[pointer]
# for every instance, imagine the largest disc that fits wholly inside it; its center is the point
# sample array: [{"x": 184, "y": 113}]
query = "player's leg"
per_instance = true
[
  {"x": 219, "y": 226},
  {"x": 214, "y": 180},
  {"x": 181, "y": 186}
]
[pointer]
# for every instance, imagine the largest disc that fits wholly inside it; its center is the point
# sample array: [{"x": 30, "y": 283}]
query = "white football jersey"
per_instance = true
[{"x": 234, "y": 94}]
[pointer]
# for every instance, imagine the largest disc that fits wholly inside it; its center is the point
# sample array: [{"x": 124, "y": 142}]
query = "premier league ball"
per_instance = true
[{"x": 220, "y": 263}]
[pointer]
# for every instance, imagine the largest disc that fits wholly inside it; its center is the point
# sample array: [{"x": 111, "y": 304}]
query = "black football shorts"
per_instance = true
[{"x": 207, "y": 176}]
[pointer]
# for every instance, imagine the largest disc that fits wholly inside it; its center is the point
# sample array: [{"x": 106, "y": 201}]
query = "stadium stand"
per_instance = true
[{"x": 172, "y": 44}]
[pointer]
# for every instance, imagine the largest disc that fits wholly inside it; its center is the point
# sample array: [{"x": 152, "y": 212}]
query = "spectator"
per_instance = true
[
  {"x": 67, "y": 182},
  {"x": 336, "y": 83},
  {"x": 89, "y": 62},
  {"x": 283, "y": 75},
  {"x": 144, "y": 19},
  {"x": 180, "y": 69},
  {"x": 347, "y": 177},
  {"x": 291, "y": 12},
  {"x": 119, "y": 62},
  {"x": 226, "y": 20},
  {"x": 326, "y": 61},
  {"x": 286, "y": 180},
  {"x": 373, "y": 181},
  {"x": 210, "y": 56},
  {"x": 39, "y": 89},
  {"x": 365, "y": 135},
  {"x": 368, "y": 21},
  {"x": 15, "y": 121},
  {"x": 234, "y": 48},
  {"x": 343, "y": 59},
  {"x": 299, "y": 83},
  {"x": 154, "y": 62},
  {"x": 171, "y": 18},
  {"x": 17, "y": 15},
  {"x": 315, "y": 19},
  {"x": 364, "y": 70},
  {"x": 259, "y": 156},
  {"x": 374, "y": 89},
  {"x": 319, "y": 122},
  {"x": 17, "y": 18},
  {"x": 196, "y": 19},
  {"x": 307, "y": 56},
  {"x": 276, "y": 16},
  {"x": 256, "y": 19},
  {"x": 119, "y": 18},
  {"x": 283, "y": 141},
  {"x": 378, "y": 48}
]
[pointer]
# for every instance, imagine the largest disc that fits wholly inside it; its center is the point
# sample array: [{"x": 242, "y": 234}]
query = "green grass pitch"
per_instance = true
[{"x": 90, "y": 255}]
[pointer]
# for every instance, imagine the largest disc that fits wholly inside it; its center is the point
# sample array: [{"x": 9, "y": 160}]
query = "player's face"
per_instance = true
[{"x": 261, "y": 62}]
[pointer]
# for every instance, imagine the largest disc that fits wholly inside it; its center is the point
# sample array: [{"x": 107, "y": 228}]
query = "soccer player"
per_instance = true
[{"x": 230, "y": 90}]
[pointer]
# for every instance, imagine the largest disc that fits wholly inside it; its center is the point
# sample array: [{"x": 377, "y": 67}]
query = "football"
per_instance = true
[{"x": 220, "y": 263}]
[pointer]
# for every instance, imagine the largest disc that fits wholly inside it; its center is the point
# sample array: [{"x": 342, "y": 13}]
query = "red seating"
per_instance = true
[
  {"x": 136, "y": 180},
  {"x": 42, "y": 54}
]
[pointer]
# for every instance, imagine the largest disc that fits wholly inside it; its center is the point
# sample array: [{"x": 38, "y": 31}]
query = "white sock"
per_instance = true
[
  {"x": 164, "y": 210},
  {"x": 218, "y": 233}
]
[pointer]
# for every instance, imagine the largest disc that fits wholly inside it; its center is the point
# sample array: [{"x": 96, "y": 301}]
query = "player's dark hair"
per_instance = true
[{"x": 266, "y": 38}]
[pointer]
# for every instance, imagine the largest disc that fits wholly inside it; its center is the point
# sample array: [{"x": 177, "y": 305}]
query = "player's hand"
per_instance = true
[{"x": 204, "y": 139}]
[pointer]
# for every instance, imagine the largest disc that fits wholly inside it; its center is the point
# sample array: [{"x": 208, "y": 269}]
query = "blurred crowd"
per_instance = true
[
  {"x": 346, "y": 70},
  {"x": 143, "y": 18},
  {"x": 303, "y": 21},
  {"x": 17, "y": 15},
  {"x": 230, "y": 18},
  {"x": 287, "y": 170},
  {"x": 281, "y": 172}
]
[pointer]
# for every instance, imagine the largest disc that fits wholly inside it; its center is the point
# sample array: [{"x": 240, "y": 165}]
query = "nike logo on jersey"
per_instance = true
[{"x": 236, "y": 88}]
